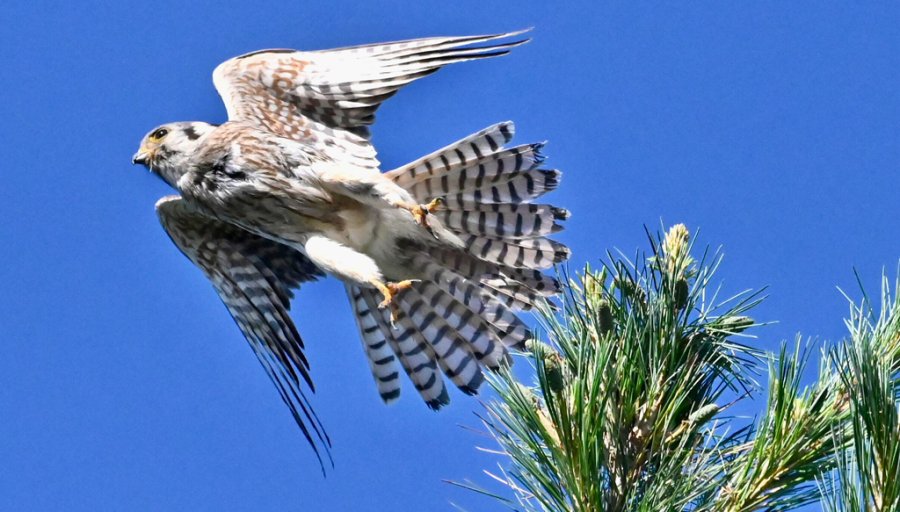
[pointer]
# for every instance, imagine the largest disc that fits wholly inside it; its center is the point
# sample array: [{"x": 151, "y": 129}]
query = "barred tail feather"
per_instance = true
[
  {"x": 412, "y": 351},
  {"x": 467, "y": 171},
  {"x": 534, "y": 280},
  {"x": 504, "y": 220},
  {"x": 375, "y": 342},
  {"x": 420, "y": 359},
  {"x": 521, "y": 289},
  {"x": 479, "y": 298},
  {"x": 517, "y": 289},
  {"x": 461, "y": 317},
  {"x": 486, "y": 141},
  {"x": 482, "y": 339},
  {"x": 487, "y": 192},
  {"x": 454, "y": 354},
  {"x": 445, "y": 321},
  {"x": 531, "y": 253}
]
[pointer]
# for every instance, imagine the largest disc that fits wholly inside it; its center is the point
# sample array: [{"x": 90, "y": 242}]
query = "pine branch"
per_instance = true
[
  {"x": 867, "y": 477},
  {"x": 626, "y": 411}
]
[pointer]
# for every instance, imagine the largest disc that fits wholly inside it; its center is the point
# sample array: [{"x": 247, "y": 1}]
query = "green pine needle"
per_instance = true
[{"x": 627, "y": 412}]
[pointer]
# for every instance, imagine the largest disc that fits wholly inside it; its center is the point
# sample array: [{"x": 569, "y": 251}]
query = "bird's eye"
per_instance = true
[{"x": 159, "y": 133}]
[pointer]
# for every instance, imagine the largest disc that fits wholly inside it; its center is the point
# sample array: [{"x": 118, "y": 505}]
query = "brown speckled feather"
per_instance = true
[{"x": 327, "y": 99}]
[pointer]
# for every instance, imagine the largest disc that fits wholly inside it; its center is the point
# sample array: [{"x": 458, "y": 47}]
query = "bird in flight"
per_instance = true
[{"x": 437, "y": 256}]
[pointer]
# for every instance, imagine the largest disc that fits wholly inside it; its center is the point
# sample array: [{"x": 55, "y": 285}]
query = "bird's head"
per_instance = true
[{"x": 166, "y": 149}]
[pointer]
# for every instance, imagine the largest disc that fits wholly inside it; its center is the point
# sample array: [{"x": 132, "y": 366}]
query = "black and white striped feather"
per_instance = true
[
  {"x": 328, "y": 98},
  {"x": 487, "y": 192},
  {"x": 412, "y": 351},
  {"x": 254, "y": 277},
  {"x": 506, "y": 220},
  {"x": 375, "y": 334}
]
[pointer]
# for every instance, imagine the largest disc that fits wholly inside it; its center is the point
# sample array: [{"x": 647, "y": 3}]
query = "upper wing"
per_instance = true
[
  {"x": 254, "y": 277},
  {"x": 328, "y": 98}
]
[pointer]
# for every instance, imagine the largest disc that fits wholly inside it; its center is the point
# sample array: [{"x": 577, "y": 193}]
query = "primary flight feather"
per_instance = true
[{"x": 437, "y": 256}]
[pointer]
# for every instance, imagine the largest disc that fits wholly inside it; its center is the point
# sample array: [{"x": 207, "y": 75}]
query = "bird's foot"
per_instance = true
[
  {"x": 421, "y": 211},
  {"x": 390, "y": 291}
]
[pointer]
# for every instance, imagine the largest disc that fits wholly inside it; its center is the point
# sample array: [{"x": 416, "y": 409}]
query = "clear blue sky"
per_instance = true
[{"x": 124, "y": 385}]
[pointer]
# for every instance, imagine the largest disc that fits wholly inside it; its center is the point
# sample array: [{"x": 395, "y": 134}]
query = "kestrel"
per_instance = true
[{"x": 437, "y": 255}]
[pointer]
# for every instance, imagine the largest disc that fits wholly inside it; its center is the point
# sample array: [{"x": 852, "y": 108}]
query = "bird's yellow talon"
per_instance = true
[
  {"x": 420, "y": 212},
  {"x": 435, "y": 204},
  {"x": 390, "y": 292}
]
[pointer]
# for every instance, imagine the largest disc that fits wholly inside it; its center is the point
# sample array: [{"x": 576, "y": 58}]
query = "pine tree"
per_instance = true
[{"x": 630, "y": 407}]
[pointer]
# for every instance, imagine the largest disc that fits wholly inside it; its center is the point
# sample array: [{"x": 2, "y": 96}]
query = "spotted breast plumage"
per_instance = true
[{"x": 437, "y": 256}]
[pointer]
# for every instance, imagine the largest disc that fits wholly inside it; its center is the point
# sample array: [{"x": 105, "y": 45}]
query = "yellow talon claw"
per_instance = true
[
  {"x": 390, "y": 292},
  {"x": 419, "y": 214},
  {"x": 421, "y": 211},
  {"x": 435, "y": 203}
]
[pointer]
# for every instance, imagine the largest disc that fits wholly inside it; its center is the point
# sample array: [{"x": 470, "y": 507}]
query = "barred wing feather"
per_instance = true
[
  {"x": 254, "y": 277},
  {"x": 327, "y": 99}
]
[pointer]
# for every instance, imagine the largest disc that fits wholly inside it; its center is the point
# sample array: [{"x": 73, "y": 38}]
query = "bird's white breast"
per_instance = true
[{"x": 375, "y": 232}]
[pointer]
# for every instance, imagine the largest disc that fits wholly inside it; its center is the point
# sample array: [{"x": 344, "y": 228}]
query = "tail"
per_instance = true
[{"x": 461, "y": 316}]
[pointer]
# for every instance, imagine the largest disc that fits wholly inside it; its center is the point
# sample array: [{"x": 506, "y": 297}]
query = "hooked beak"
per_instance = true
[{"x": 141, "y": 157}]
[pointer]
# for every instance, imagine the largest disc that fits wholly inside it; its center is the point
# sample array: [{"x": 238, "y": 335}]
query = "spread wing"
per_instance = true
[
  {"x": 327, "y": 99},
  {"x": 254, "y": 277}
]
